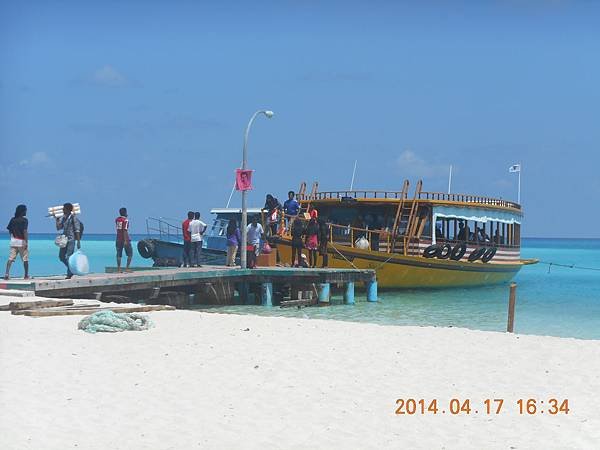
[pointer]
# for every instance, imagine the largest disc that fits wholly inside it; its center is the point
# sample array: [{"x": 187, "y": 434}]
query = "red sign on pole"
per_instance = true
[{"x": 243, "y": 179}]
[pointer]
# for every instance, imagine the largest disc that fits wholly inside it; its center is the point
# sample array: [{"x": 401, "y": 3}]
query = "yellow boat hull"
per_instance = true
[{"x": 398, "y": 271}]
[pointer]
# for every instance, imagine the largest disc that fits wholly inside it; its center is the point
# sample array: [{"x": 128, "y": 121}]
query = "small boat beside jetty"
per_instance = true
[
  {"x": 164, "y": 241},
  {"x": 425, "y": 240}
]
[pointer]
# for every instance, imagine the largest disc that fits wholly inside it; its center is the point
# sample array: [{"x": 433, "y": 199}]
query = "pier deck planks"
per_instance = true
[{"x": 179, "y": 277}]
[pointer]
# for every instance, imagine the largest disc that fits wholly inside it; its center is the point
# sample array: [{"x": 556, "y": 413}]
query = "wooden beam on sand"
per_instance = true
[
  {"x": 37, "y": 304},
  {"x": 66, "y": 311},
  {"x": 298, "y": 303}
]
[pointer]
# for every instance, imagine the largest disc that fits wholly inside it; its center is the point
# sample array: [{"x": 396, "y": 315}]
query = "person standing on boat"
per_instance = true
[
  {"x": 187, "y": 239},
  {"x": 234, "y": 237},
  {"x": 312, "y": 238},
  {"x": 323, "y": 240},
  {"x": 254, "y": 233},
  {"x": 290, "y": 207},
  {"x": 463, "y": 231},
  {"x": 123, "y": 240},
  {"x": 297, "y": 232},
  {"x": 19, "y": 239},
  {"x": 196, "y": 229},
  {"x": 273, "y": 207},
  {"x": 71, "y": 227}
]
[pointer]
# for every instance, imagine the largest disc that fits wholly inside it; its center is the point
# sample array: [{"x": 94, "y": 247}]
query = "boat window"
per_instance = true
[
  {"x": 476, "y": 232},
  {"x": 372, "y": 217}
]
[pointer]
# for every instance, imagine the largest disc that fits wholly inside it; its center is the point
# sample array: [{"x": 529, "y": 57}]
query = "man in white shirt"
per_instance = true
[
  {"x": 254, "y": 233},
  {"x": 196, "y": 229}
]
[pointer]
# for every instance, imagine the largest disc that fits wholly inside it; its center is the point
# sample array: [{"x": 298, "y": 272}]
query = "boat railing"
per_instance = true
[
  {"x": 351, "y": 194},
  {"x": 378, "y": 240},
  {"x": 163, "y": 229},
  {"x": 383, "y": 240},
  {"x": 467, "y": 198},
  {"x": 441, "y": 196}
]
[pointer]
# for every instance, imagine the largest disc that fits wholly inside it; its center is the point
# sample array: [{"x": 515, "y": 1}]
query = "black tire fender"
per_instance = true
[
  {"x": 145, "y": 248},
  {"x": 432, "y": 251},
  {"x": 445, "y": 251},
  {"x": 476, "y": 254},
  {"x": 458, "y": 251},
  {"x": 489, "y": 254}
]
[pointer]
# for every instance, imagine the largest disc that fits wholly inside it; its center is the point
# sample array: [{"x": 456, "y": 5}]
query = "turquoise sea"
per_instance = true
[{"x": 559, "y": 302}]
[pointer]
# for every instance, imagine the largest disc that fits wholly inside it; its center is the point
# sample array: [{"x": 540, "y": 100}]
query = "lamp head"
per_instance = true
[{"x": 269, "y": 114}]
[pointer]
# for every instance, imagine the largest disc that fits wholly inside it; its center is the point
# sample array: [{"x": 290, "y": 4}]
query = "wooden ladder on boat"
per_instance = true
[
  {"x": 314, "y": 190},
  {"x": 303, "y": 196},
  {"x": 411, "y": 226},
  {"x": 402, "y": 212},
  {"x": 301, "y": 192}
]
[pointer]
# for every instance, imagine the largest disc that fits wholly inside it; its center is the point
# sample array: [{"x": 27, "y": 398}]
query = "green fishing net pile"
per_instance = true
[{"x": 111, "y": 322}]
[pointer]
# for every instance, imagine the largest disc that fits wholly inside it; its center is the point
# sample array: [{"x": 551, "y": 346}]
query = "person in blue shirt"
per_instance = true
[{"x": 290, "y": 207}]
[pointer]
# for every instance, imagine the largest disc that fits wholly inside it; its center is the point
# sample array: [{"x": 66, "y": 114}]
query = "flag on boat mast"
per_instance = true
[{"x": 513, "y": 169}]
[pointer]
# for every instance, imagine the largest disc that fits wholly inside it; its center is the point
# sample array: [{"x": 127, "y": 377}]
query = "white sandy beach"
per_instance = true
[{"x": 199, "y": 380}]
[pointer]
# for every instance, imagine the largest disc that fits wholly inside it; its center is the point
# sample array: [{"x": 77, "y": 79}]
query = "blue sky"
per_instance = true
[{"x": 144, "y": 104}]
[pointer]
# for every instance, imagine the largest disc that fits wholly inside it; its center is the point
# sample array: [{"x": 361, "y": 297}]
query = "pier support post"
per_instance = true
[
  {"x": 267, "y": 294},
  {"x": 244, "y": 293},
  {"x": 510, "y": 326},
  {"x": 324, "y": 290},
  {"x": 349, "y": 294},
  {"x": 372, "y": 290}
]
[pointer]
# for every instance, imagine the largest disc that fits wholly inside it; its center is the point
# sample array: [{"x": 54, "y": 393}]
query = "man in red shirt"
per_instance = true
[
  {"x": 123, "y": 240},
  {"x": 187, "y": 240}
]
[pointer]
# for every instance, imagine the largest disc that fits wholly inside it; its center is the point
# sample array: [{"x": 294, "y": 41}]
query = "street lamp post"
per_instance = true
[{"x": 243, "y": 255}]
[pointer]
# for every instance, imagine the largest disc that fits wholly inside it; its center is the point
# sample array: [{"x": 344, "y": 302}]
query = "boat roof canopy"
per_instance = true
[{"x": 475, "y": 214}]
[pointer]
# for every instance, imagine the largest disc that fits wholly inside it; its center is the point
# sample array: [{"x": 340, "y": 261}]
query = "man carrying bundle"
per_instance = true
[{"x": 72, "y": 230}]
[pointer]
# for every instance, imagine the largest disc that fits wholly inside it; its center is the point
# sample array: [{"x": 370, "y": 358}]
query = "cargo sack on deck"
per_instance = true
[
  {"x": 111, "y": 322},
  {"x": 362, "y": 243}
]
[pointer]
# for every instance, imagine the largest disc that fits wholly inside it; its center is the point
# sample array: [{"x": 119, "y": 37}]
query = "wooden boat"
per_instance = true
[{"x": 427, "y": 240}]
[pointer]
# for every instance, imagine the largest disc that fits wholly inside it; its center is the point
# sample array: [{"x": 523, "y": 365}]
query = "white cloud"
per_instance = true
[
  {"x": 36, "y": 159},
  {"x": 13, "y": 172},
  {"x": 413, "y": 165},
  {"x": 109, "y": 76}
]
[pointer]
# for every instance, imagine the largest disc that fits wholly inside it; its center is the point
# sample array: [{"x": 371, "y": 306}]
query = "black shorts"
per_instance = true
[
  {"x": 297, "y": 242},
  {"x": 127, "y": 247}
]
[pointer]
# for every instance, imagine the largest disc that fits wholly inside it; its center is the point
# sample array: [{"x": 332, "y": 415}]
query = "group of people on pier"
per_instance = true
[
  {"x": 71, "y": 231},
  {"x": 193, "y": 230},
  {"x": 311, "y": 234},
  {"x": 308, "y": 233}
]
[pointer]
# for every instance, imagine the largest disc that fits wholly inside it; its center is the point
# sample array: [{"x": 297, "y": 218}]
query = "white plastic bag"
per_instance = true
[
  {"x": 61, "y": 241},
  {"x": 78, "y": 263},
  {"x": 362, "y": 243}
]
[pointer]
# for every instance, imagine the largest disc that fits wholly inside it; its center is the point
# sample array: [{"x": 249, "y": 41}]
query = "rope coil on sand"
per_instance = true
[{"x": 111, "y": 322}]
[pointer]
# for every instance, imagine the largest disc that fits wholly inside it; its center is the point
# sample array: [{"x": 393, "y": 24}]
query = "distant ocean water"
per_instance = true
[
  {"x": 553, "y": 300},
  {"x": 43, "y": 254}
]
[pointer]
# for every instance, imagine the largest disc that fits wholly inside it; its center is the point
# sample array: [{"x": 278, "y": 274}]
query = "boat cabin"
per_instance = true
[
  {"x": 215, "y": 237},
  {"x": 391, "y": 222}
]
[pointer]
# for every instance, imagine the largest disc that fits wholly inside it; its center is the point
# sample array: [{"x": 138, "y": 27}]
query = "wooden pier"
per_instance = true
[{"x": 206, "y": 285}]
